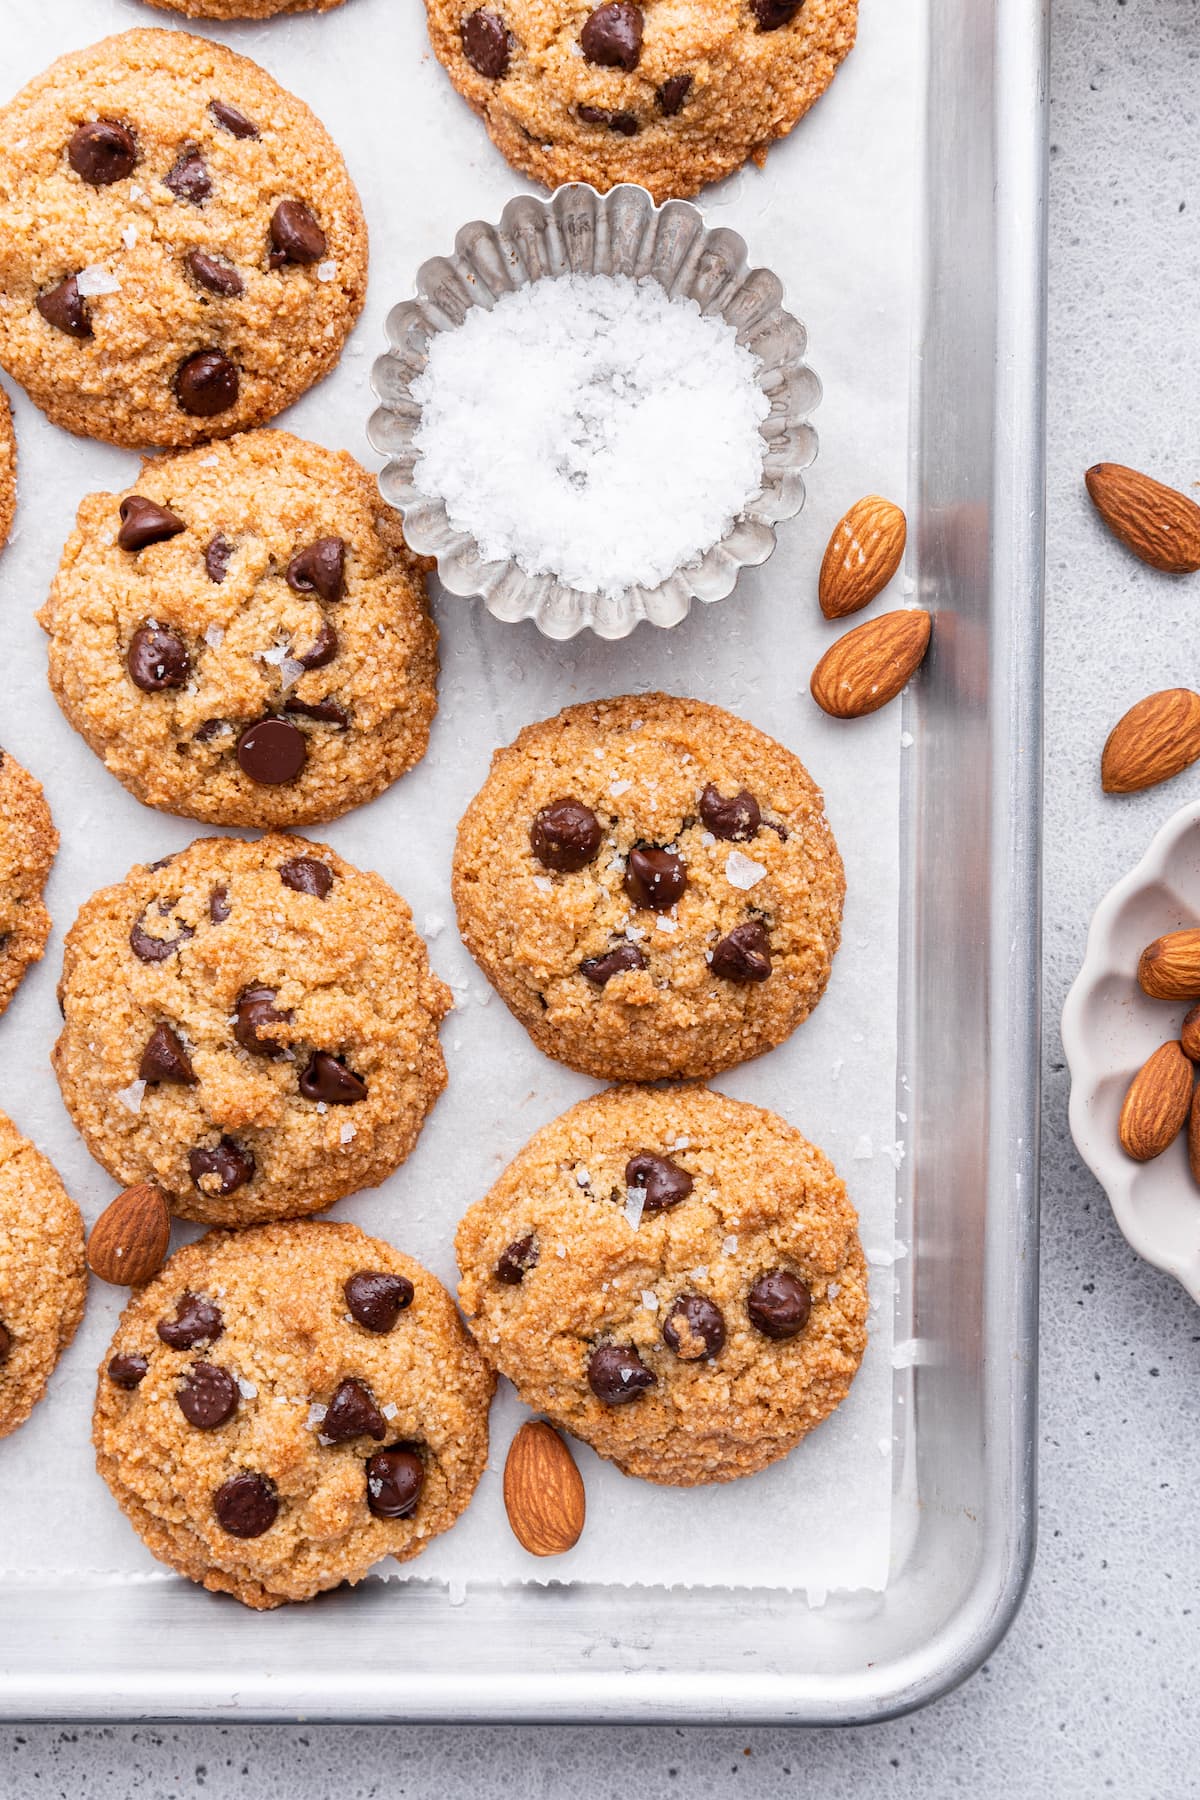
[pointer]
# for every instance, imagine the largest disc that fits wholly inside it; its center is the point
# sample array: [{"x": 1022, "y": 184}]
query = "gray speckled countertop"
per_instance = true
[{"x": 1094, "y": 1689}]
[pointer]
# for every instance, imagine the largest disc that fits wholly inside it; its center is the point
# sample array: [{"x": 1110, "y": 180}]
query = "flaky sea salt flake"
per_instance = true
[
  {"x": 131, "y": 1096},
  {"x": 742, "y": 871},
  {"x": 635, "y": 1203},
  {"x": 96, "y": 280}
]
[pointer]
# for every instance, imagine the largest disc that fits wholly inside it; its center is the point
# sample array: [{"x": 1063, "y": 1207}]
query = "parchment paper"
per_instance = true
[{"x": 833, "y": 214}]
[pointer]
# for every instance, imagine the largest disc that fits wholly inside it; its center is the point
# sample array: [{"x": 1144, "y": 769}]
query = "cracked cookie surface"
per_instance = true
[
  {"x": 672, "y": 1276},
  {"x": 28, "y": 842},
  {"x": 243, "y": 636},
  {"x": 43, "y": 1278},
  {"x": 282, "y": 1407},
  {"x": 652, "y": 887},
  {"x": 252, "y": 1026}
]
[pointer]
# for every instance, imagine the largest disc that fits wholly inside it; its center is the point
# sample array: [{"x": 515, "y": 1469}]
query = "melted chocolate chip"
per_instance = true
[
  {"x": 145, "y": 522},
  {"x": 672, "y": 94},
  {"x": 218, "y": 905},
  {"x": 149, "y": 949},
  {"x": 324, "y": 712},
  {"x": 779, "y": 1304},
  {"x": 612, "y": 36},
  {"x": 376, "y": 1298},
  {"x": 223, "y": 1169},
  {"x": 600, "y": 969},
  {"x": 272, "y": 752},
  {"x": 295, "y": 234},
  {"x": 486, "y": 43},
  {"x": 352, "y": 1413},
  {"x": 233, "y": 120},
  {"x": 196, "y": 1321},
  {"x": 734, "y": 819},
  {"x": 5, "y": 1344},
  {"x": 662, "y": 1181},
  {"x": 307, "y": 875},
  {"x": 157, "y": 660},
  {"x": 207, "y": 1396},
  {"x": 63, "y": 308},
  {"x": 655, "y": 879},
  {"x": 324, "y": 648},
  {"x": 255, "y": 1010},
  {"x": 102, "y": 152},
  {"x": 209, "y": 729},
  {"x": 394, "y": 1482},
  {"x": 623, "y": 122},
  {"x": 320, "y": 568},
  {"x": 327, "y": 1078},
  {"x": 165, "y": 1059},
  {"x": 516, "y": 1261},
  {"x": 216, "y": 558},
  {"x": 128, "y": 1371},
  {"x": 213, "y": 275},
  {"x": 744, "y": 955},
  {"x": 246, "y": 1505},
  {"x": 769, "y": 15},
  {"x": 694, "y": 1328},
  {"x": 565, "y": 835},
  {"x": 188, "y": 178},
  {"x": 616, "y": 1374},
  {"x": 206, "y": 384}
]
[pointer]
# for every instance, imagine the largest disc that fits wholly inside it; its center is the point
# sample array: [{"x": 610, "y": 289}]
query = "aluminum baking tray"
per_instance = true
[{"x": 964, "y": 1481}]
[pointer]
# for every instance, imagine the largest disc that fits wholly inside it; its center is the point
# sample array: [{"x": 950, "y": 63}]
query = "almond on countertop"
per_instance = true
[
  {"x": 1156, "y": 1103},
  {"x": 869, "y": 666},
  {"x": 1169, "y": 968},
  {"x": 1194, "y": 1138},
  {"x": 129, "y": 1240},
  {"x": 1157, "y": 738},
  {"x": 862, "y": 556},
  {"x": 543, "y": 1491},
  {"x": 1189, "y": 1035},
  {"x": 1159, "y": 524}
]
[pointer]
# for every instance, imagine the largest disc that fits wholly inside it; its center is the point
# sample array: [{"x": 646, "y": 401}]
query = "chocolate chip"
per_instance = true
[
  {"x": 165, "y": 1059},
  {"x": 213, "y": 275},
  {"x": 376, "y": 1298},
  {"x": 624, "y": 122},
  {"x": 771, "y": 14},
  {"x": 295, "y": 234},
  {"x": 352, "y": 1413},
  {"x": 612, "y": 36},
  {"x": 157, "y": 659},
  {"x": 486, "y": 43},
  {"x": 5, "y": 1344},
  {"x": 188, "y": 178},
  {"x": 216, "y": 558},
  {"x": 233, "y": 120},
  {"x": 600, "y": 969},
  {"x": 325, "y": 712},
  {"x": 307, "y": 875},
  {"x": 320, "y": 568},
  {"x": 149, "y": 949},
  {"x": 229, "y": 1162},
  {"x": 63, "y": 308},
  {"x": 196, "y": 1321},
  {"x": 218, "y": 905},
  {"x": 694, "y": 1328},
  {"x": 616, "y": 1374},
  {"x": 672, "y": 94},
  {"x": 327, "y": 1078},
  {"x": 128, "y": 1371},
  {"x": 662, "y": 1181},
  {"x": 255, "y": 1010},
  {"x": 323, "y": 651},
  {"x": 206, "y": 384},
  {"x": 734, "y": 819},
  {"x": 272, "y": 752},
  {"x": 515, "y": 1263},
  {"x": 779, "y": 1304},
  {"x": 207, "y": 1396},
  {"x": 247, "y": 1505},
  {"x": 102, "y": 152},
  {"x": 655, "y": 879},
  {"x": 565, "y": 835},
  {"x": 145, "y": 522},
  {"x": 209, "y": 729},
  {"x": 744, "y": 955},
  {"x": 394, "y": 1482}
]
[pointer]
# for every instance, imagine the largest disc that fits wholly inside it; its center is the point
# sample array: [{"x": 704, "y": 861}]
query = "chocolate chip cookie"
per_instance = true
[
  {"x": 243, "y": 635},
  {"x": 8, "y": 469},
  {"x": 652, "y": 887},
  {"x": 182, "y": 252},
  {"x": 242, "y": 9},
  {"x": 671, "y": 94},
  {"x": 43, "y": 1278},
  {"x": 674, "y": 1277},
  {"x": 282, "y": 1407},
  {"x": 253, "y": 1026},
  {"x": 28, "y": 842}
]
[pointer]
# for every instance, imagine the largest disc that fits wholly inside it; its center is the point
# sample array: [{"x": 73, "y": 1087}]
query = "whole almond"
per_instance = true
[
  {"x": 868, "y": 667},
  {"x": 129, "y": 1240},
  {"x": 862, "y": 556},
  {"x": 543, "y": 1491},
  {"x": 1189, "y": 1035},
  {"x": 1156, "y": 1104},
  {"x": 1154, "y": 740},
  {"x": 1169, "y": 968},
  {"x": 1157, "y": 523}
]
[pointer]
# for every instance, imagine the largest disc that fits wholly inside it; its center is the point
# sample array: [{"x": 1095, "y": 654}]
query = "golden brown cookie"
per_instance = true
[
  {"x": 28, "y": 842},
  {"x": 8, "y": 469},
  {"x": 182, "y": 253},
  {"x": 243, "y": 636},
  {"x": 652, "y": 887},
  {"x": 674, "y": 1277},
  {"x": 252, "y": 1026},
  {"x": 671, "y": 94},
  {"x": 43, "y": 1279},
  {"x": 282, "y": 1407},
  {"x": 242, "y": 9}
]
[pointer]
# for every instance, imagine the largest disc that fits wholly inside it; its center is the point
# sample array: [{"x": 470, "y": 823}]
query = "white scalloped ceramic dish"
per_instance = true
[
  {"x": 1109, "y": 1028},
  {"x": 581, "y": 231}
]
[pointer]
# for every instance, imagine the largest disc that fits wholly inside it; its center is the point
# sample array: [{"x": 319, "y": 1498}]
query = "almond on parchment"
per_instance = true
[
  {"x": 1157, "y": 523},
  {"x": 543, "y": 1491},
  {"x": 1169, "y": 968},
  {"x": 1194, "y": 1137},
  {"x": 1156, "y": 1103},
  {"x": 129, "y": 1240},
  {"x": 1157, "y": 738},
  {"x": 1189, "y": 1034},
  {"x": 862, "y": 556},
  {"x": 868, "y": 667}
]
